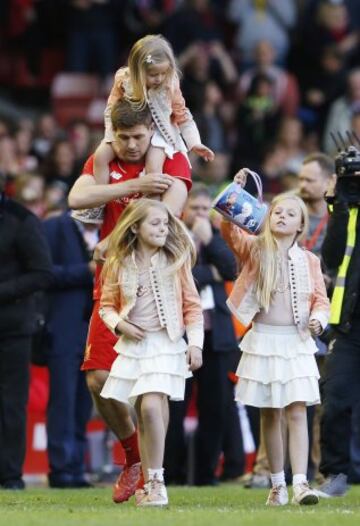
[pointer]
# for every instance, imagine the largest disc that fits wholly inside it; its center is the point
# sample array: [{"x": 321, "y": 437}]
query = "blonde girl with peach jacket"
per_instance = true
[
  {"x": 149, "y": 301},
  {"x": 281, "y": 291}
]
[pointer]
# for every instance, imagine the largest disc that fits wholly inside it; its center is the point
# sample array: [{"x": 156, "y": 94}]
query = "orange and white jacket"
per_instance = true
[
  {"x": 168, "y": 109},
  {"x": 307, "y": 287},
  {"x": 176, "y": 297}
]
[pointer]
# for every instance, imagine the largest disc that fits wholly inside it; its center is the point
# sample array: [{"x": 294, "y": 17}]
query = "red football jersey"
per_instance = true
[{"x": 178, "y": 167}]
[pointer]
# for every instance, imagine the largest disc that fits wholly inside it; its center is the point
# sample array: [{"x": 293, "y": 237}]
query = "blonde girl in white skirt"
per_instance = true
[
  {"x": 149, "y": 300},
  {"x": 282, "y": 292}
]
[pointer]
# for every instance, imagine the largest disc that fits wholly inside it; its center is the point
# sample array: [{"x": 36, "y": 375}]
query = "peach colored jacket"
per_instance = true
[
  {"x": 307, "y": 287},
  {"x": 168, "y": 109},
  {"x": 177, "y": 299}
]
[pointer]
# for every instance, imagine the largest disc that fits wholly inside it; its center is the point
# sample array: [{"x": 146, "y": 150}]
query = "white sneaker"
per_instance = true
[
  {"x": 278, "y": 496},
  {"x": 304, "y": 494},
  {"x": 155, "y": 494}
]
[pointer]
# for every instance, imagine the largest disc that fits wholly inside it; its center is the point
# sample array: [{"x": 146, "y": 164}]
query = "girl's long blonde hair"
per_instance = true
[
  {"x": 149, "y": 50},
  {"x": 265, "y": 250},
  {"x": 123, "y": 241}
]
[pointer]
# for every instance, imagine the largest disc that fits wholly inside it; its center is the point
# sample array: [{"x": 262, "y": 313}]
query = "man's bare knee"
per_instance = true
[{"x": 95, "y": 381}]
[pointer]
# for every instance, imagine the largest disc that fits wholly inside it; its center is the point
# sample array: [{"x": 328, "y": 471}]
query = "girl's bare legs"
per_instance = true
[
  {"x": 273, "y": 438},
  {"x": 299, "y": 450},
  {"x": 104, "y": 154},
  {"x": 175, "y": 196},
  {"x": 271, "y": 420},
  {"x": 298, "y": 437},
  {"x": 152, "y": 418},
  {"x": 141, "y": 435},
  {"x": 155, "y": 158}
]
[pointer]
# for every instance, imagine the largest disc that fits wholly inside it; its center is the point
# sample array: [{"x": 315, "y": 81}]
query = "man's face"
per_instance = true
[
  {"x": 312, "y": 183},
  {"x": 196, "y": 207},
  {"x": 131, "y": 144}
]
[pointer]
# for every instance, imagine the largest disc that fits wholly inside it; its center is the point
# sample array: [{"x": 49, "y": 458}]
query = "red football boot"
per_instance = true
[{"x": 127, "y": 483}]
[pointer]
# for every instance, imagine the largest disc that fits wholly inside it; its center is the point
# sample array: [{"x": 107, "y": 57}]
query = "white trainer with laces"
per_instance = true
[
  {"x": 304, "y": 494},
  {"x": 278, "y": 496},
  {"x": 155, "y": 494}
]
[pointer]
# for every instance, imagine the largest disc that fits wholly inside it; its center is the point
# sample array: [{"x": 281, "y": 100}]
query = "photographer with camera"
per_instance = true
[{"x": 341, "y": 385}]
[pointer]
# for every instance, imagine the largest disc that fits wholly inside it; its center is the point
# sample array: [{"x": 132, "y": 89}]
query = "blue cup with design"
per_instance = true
[{"x": 240, "y": 207}]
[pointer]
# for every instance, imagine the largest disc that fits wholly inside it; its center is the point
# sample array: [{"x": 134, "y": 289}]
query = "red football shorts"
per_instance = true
[{"x": 99, "y": 351}]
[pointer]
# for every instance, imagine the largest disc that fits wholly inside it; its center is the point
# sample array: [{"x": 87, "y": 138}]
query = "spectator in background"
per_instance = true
[
  {"x": 194, "y": 21},
  {"x": 256, "y": 20},
  {"x": 202, "y": 62},
  {"x": 59, "y": 165},
  {"x": 25, "y": 267},
  {"x": 257, "y": 122},
  {"x": 316, "y": 177},
  {"x": 285, "y": 90},
  {"x": 70, "y": 304},
  {"x": 92, "y": 37},
  {"x": 271, "y": 170},
  {"x": 55, "y": 198},
  {"x": 9, "y": 164},
  {"x": 212, "y": 127},
  {"x": 46, "y": 133},
  {"x": 81, "y": 141},
  {"x": 23, "y": 143},
  {"x": 219, "y": 424},
  {"x": 330, "y": 25},
  {"x": 342, "y": 110},
  {"x": 322, "y": 86},
  {"x": 290, "y": 140},
  {"x": 29, "y": 191}
]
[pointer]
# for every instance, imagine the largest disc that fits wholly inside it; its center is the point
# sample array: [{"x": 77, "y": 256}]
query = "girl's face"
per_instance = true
[
  {"x": 156, "y": 74},
  {"x": 286, "y": 218},
  {"x": 154, "y": 229}
]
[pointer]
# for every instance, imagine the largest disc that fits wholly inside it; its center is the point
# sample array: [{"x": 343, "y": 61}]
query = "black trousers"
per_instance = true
[
  {"x": 219, "y": 425},
  {"x": 341, "y": 404},
  {"x": 14, "y": 389},
  {"x": 68, "y": 411}
]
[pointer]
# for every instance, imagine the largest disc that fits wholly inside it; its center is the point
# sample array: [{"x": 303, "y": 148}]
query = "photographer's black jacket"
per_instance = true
[
  {"x": 25, "y": 267},
  {"x": 333, "y": 251}
]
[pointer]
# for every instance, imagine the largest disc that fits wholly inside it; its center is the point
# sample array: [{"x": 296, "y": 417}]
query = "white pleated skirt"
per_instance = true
[
  {"x": 153, "y": 365},
  {"x": 277, "y": 368}
]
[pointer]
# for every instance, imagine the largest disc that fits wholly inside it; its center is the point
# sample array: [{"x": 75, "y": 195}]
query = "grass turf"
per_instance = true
[{"x": 222, "y": 506}]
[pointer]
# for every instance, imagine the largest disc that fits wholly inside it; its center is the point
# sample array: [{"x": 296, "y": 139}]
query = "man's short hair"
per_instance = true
[
  {"x": 199, "y": 189},
  {"x": 326, "y": 163},
  {"x": 124, "y": 116}
]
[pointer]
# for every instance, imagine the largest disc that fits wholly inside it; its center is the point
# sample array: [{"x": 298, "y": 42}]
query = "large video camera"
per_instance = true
[{"x": 347, "y": 167}]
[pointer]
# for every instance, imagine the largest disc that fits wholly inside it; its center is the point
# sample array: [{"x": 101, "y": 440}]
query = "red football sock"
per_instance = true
[
  {"x": 130, "y": 445},
  {"x": 141, "y": 481}
]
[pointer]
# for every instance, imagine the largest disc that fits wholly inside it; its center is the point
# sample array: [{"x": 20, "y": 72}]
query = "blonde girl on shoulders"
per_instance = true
[{"x": 151, "y": 77}]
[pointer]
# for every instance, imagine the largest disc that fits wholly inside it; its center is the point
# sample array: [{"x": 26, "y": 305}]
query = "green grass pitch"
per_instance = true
[{"x": 221, "y": 506}]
